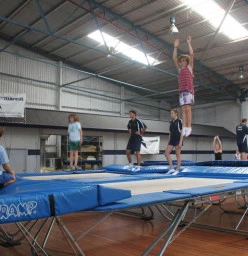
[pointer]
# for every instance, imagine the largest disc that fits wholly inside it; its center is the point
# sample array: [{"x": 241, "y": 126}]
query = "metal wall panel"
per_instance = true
[{"x": 89, "y": 95}]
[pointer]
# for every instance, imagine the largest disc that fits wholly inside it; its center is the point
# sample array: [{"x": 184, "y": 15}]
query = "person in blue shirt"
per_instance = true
[
  {"x": 75, "y": 139},
  {"x": 7, "y": 176}
]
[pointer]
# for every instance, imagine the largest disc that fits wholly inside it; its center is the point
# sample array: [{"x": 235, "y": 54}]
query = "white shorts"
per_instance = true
[{"x": 186, "y": 98}]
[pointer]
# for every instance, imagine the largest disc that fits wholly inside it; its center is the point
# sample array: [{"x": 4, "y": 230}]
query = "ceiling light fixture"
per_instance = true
[
  {"x": 241, "y": 72},
  {"x": 173, "y": 28}
]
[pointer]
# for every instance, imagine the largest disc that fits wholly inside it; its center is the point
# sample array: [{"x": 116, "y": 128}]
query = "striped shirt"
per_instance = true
[{"x": 186, "y": 80}]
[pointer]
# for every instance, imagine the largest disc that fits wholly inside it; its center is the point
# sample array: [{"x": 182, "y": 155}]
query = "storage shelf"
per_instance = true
[{"x": 93, "y": 142}]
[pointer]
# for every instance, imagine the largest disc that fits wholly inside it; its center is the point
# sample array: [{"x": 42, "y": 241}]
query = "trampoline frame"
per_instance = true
[{"x": 31, "y": 230}]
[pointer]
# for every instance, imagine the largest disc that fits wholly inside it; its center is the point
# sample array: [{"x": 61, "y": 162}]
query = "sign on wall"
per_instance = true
[
  {"x": 12, "y": 105},
  {"x": 150, "y": 145}
]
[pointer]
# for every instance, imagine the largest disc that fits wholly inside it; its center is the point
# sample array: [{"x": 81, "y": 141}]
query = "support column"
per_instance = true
[
  {"x": 122, "y": 102},
  {"x": 244, "y": 109},
  {"x": 59, "y": 103}
]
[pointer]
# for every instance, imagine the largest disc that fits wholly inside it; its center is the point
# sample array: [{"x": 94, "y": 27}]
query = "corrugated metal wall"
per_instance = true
[{"x": 42, "y": 80}]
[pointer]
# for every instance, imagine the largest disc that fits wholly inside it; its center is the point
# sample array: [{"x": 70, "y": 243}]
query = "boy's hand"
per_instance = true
[
  {"x": 176, "y": 43},
  {"x": 188, "y": 39}
]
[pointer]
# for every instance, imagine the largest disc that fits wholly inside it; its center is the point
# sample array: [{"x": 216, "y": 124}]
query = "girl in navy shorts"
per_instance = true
[{"x": 175, "y": 141}]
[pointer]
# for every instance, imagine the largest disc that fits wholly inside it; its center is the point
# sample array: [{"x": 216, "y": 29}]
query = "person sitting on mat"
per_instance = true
[
  {"x": 217, "y": 147},
  {"x": 7, "y": 176},
  {"x": 175, "y": 141},
  {"x": 75, "y": 139},
  {"x": 242, "y": 131},
  {"x": 135, "y": 128},
  {"x": 185, "y": 64}
]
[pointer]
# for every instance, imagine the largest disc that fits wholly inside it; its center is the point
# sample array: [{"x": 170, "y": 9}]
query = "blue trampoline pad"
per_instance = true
[
  {"x": 59, "y": 173},
  {"x": 125, "y": 169},
  {"x": 234, "y": 163},
  {"x": 215, "y": 171},
  {"x": 157, "y": 162},
  {"x": 34, "y": 199},
  {"x": 142, "y": 200}
]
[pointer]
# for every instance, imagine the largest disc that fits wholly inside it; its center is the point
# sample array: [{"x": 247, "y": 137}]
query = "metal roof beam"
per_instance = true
[
  {"x": 166, "y": 45},
  {"x": 74, "y": 67},
  {"x": 15, "y": 12},
  {"x": 93, "y": 48},
  {"x": 25, "y": 31},
  {"x": 43, "y": 16}
]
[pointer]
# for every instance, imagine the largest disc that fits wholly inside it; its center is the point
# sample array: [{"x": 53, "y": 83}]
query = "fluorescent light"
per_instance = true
[
  {"x": 120, "y": 47},
  {"x": 210, "y": 10}
]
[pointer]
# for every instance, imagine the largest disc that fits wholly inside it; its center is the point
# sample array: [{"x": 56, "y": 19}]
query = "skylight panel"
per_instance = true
[
  {"x": 210, "y": 10},
  {"x": 123, "y": 48}
]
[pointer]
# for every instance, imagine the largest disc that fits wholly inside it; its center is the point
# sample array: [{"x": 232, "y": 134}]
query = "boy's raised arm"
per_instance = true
[
  {"x": 176, "y": 44},
  {"x": 191, "y": 52}
]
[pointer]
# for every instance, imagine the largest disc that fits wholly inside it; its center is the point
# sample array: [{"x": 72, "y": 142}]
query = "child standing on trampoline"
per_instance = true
[
  {"x": 175, "y": 141},
  {"x": 75, "y": 139},
  {"x": 185, "y": 64}
]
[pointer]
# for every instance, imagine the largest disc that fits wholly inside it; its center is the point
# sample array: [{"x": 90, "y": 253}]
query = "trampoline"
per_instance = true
[{"x": 37, "y": 199}]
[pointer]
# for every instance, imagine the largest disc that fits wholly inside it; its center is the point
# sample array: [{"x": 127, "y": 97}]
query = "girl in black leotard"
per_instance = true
[{"x": 217, "y": 147}]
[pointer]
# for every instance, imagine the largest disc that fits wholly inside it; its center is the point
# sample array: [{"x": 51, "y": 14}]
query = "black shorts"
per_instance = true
[
  {"x": 242, "y": 147},
  {"x": 173, "y": 143},
  {"x": 134, "y": 143}
]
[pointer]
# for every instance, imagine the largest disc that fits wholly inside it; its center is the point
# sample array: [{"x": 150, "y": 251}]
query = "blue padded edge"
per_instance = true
[
  {"x": 234, "y": 163},
  {"x": 208, "y": 190},
  {"x": 28, "y": 200},
  {"x": 107, "y": 195},
  {"x": 184, "y": 162},
  {"x": 142, "y": 200},
  {"x": 241, "y": 181},
  {"x": 121, "y": 168},
  {"x": 216, "y": 171},
  {"x": 58, "y": 173}
]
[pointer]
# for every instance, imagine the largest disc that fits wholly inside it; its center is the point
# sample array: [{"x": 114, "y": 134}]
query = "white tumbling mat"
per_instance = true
[
  {"x": 160, "y": 185},
  {"x": 74, "y": 176}
]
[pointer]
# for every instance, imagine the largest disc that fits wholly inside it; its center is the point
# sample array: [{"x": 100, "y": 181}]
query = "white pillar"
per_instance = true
[
  {"x": 59, "y": 88},
  {"x": 122, "y": 102},
  {"x": 244, "y": 109}
]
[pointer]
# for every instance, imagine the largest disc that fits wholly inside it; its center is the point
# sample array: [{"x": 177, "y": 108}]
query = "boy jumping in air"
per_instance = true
[{"x": 185, "y": 64}]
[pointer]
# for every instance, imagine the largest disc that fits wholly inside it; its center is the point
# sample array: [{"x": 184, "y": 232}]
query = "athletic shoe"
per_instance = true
[
  {"x": 128, "y": 167},
  {"x": 72, "y": 168},
  {"x": 77, "y": 168},
  {"x": 171, "y": 171},
  {"x": 175, "y": 173},
  {"x": 184, "y": 131},
  {"x": 188, "y": 131},
  {"x": 136, "y": 169}
]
